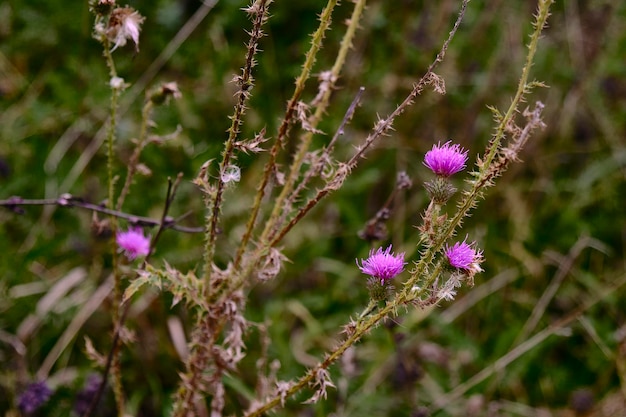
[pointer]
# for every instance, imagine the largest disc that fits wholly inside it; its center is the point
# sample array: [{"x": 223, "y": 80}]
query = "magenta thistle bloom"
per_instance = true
[
  {"x": 33, "y": 397},
  {"x": 463, "y": 256},
  {"x": 382, "y": 264},
  {"x": 133, "y": 243},
  {"x": 446, "y": 160}
]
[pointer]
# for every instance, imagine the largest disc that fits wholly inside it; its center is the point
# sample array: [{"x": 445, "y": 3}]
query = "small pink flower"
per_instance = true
[
  {"x": 446, "y": 160},
  {"x": 462, "y": 256},
  {"x": 382, "y": 264},
  {"x": 133, "y": 243}
]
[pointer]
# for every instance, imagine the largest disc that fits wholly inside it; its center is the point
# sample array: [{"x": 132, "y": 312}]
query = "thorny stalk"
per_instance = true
[
  {"x": 380, "y": 128},
  {"x": 199, "y": 359},
  {"x": 117, "y": 279},
  {"x": 192, "y": 379},
  {"x": 324, "y": 158},
  {"x": 523, "y": 87},
  {"x": 207, "y": 329},
  {"x": 204, "y": 356},
  {"x": 355, "y": 331},
  {"x": 245, "y": 82},
  {"x": 410, "y": 294},
  {"x": 283, "y": 130},
  {"x": 470, "y": 197}
]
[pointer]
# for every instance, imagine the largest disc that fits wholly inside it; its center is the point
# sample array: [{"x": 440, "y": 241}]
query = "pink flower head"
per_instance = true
[
  {"x": 133, "y": 243},
  {"x": 446, "y": 160},
  {"x": 462, "y": 256},
  {"x": 382, "y": 264}
]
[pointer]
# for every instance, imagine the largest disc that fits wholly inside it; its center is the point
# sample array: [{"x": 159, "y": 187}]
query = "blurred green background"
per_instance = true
[{"x": 552, "y": 230}]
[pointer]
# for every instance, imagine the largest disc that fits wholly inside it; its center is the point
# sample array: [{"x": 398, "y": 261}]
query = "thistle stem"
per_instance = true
[
  {"x": 116, "y": 368},
  {"x": 245, "y": 82}
]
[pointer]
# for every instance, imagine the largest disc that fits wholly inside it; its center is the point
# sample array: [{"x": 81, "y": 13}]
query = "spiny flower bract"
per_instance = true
[
  {"x": 133, "y": 243},
  {"x": 382, "y": 264},
  {"x": 446, "y": 160}
]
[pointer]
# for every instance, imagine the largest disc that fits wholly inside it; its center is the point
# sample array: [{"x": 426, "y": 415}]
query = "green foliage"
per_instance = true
[{"x": 181, "y": 286}]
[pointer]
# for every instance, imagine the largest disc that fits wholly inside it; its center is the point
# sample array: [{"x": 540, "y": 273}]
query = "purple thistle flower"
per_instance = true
[
  {"x": 462, "y": 256},
  {"x": 33, "y": 397},
  {"x": 446, "y": 160},
  {"x": 382, "y": 264},
  {"x": 133, "y": 243}
]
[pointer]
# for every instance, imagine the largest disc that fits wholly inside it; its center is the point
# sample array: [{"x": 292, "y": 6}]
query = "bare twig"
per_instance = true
[{"x": 67, "y": 200}]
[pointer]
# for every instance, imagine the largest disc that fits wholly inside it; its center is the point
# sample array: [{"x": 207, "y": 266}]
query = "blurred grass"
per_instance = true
[{"x": 569, "y": 188}]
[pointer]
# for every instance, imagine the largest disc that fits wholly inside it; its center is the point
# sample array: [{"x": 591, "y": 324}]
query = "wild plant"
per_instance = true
[{"x": 216, "y": 292}]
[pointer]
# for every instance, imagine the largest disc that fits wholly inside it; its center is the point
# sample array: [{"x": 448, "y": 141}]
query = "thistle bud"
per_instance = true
[{"x": 440, "y": 190}]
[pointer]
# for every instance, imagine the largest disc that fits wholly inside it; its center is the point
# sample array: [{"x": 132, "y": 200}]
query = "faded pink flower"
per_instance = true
[
  {"x": 446, "y": 160},
  {"x": 133, "y": 243},
  {"x": 382, "y": 264},
  {"x": 124, "y": 24}
]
